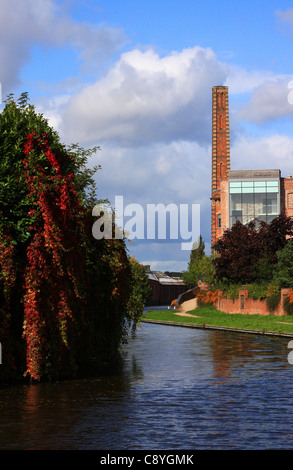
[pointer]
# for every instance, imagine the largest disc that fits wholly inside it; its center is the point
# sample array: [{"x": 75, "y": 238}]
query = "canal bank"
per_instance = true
[
  {"x": 208, "y": 317},
  {"x": 219, "y": 328}
]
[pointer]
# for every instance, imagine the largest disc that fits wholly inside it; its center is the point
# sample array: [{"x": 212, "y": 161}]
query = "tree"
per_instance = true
[
  {"x": 200, "y": 266},
  {"x": 198, "y": 252},
  {"x": 248, "y": 253},
  {"x": 140, "y": 289},
  {"x": 64, "y": 295},
  {"x": 284, "y": 266}
]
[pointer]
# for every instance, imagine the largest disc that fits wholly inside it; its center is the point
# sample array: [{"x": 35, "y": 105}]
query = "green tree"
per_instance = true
[
  {"x": 264, "y": 269},
  {"x": 140, "y": 290},
  {"x": 284, "y": 267},
  {"x": 64, "y": 295},
  {"x": 200, "y": 266},
  {"x": 198, "y": 252}
]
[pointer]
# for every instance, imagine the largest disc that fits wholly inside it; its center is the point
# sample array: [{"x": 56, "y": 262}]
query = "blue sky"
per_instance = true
[{"x": 136, "y": 77}]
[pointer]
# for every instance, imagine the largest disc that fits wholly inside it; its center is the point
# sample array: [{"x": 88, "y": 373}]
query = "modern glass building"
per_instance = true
[{"x": 254, "y": 194}]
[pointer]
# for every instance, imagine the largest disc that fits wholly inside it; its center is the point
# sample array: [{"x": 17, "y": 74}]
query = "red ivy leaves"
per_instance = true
[
  {"x": 209, "y": 297},
  {"x": 66, "y": 271},
  {"x": 7, "y": 273},
  {"x": 290, "y": 296},
  {"x": 53, "y": 275}
]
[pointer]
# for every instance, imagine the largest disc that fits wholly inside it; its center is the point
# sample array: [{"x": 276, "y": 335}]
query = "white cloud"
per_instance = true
[
  {"x": 285, "y": 20},
  {"x": 273, "y": 152},
  {"x": 26, "y": 23},
  {"x": 268, "y": 102},
  {"x": 175, "y": 173},
  {"x": 242, "y": 81},
  {"x": 178, "y": 172},
  {"x": 53, "y": 108},
  {"x": 148, "y": 98}
]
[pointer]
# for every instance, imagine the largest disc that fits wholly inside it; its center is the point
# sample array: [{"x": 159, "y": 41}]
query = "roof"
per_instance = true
[
  {"x": 251, "y": 174},
  {"x": 163, "y": 278}
]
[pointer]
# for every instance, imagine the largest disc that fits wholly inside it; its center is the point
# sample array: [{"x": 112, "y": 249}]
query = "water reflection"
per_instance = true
[{"x": 175, "y": 388}]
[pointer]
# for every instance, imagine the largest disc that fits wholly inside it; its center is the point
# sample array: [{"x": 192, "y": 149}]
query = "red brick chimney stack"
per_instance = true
[{"x": 220, "y": 154}]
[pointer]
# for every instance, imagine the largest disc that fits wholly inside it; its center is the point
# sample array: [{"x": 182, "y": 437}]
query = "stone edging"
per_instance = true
[{"x": 220, "y": 328}]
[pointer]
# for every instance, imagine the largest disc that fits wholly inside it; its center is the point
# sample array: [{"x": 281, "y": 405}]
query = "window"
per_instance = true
[
  {"x": 219, "y": 220},
  {"x": 251, "y": 200},
  {"x": 242, "y": 302}
]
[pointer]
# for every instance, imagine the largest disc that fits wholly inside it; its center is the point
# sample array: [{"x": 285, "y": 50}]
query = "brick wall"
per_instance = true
[
  {"x": 287, "y": 196},
  {"x": 244, "y": 304}
]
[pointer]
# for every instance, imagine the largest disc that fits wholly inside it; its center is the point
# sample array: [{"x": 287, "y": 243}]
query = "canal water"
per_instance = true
[{"x": 176, "y": 388}]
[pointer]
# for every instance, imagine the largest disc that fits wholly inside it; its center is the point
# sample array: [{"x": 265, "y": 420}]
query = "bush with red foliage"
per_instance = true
[
  {"x": 64, "y": 295},
  {"x": 242, "y": 248}
]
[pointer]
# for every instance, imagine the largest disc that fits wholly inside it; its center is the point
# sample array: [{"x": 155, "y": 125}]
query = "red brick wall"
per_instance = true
[
  {"x": 287, "y": 196},
  {"x": 249, "y": 306}
]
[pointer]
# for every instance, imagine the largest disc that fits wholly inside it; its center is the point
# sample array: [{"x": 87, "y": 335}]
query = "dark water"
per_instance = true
[{"x": 178, "y": 388}]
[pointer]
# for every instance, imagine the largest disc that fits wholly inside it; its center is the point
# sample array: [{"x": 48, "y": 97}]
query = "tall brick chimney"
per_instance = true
[{"x": 220, "y": 155}]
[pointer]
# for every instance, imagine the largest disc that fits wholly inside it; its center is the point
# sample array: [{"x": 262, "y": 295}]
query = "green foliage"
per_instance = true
[
  {"x": 198, "y": 252},
  {"x": 140, "y": 290},
  {"x": 288, "y": 306},
  {"x": 84, "y": 181},
  {"x": 264, "y": 269},
  {"x": 257, "y": 290},
  {"x": 284, "y": 267},
  {"x": 273, "y": 301},
  {"x": 64, "y": 296},
  {"x": 248, "y": 253},
  {"x": 200, "y": 267},
  {"x": 230, "y": 291},
  {"x": 17, "y": 120}
]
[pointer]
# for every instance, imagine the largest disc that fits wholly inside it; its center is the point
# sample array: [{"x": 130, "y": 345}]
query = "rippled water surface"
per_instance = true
[{"x": 177, "y": 388}]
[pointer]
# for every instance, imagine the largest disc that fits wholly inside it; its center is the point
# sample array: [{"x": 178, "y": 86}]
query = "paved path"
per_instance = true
[
  {"x": 187, "y": 306},
  {"x": 184, "y": 314}
]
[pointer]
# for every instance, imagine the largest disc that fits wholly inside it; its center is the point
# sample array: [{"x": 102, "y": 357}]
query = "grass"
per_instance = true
[{"x": 208, "y": 315}]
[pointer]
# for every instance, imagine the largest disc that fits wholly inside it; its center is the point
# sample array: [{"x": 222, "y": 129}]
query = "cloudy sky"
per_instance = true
[{"x": 136, "y": 78}]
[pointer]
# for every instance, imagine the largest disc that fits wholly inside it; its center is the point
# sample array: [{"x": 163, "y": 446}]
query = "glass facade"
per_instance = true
[{"x": 255, "y": 199}]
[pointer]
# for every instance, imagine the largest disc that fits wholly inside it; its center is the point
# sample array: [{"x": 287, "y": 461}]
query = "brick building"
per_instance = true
[
  {"x": 164, "y": 288},
  {"x": 241, "y": 195}
]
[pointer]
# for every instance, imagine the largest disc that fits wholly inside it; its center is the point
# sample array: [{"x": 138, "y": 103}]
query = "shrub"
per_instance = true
[
  {"x": 258, "y": 291},
  {"x": 247, "y": 253},
  {"x": 288, "y": 306},
  {"x": 273, "y": 301},
  {"x": 63, "y": 294},
  {"x": 208, "y": 297}
]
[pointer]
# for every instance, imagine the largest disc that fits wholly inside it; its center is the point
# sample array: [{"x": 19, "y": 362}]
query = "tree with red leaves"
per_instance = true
[
  {"x": 64, "y": 295},
  {"x": 246, "y": 251}
]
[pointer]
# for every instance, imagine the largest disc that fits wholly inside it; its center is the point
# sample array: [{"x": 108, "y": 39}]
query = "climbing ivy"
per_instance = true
[{"x": 65, "y": 297}]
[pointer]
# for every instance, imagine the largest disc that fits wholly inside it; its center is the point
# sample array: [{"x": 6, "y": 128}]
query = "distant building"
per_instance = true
[
  {"x": 242, "y": 195},
  {"x": 164, "y": 288}
]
